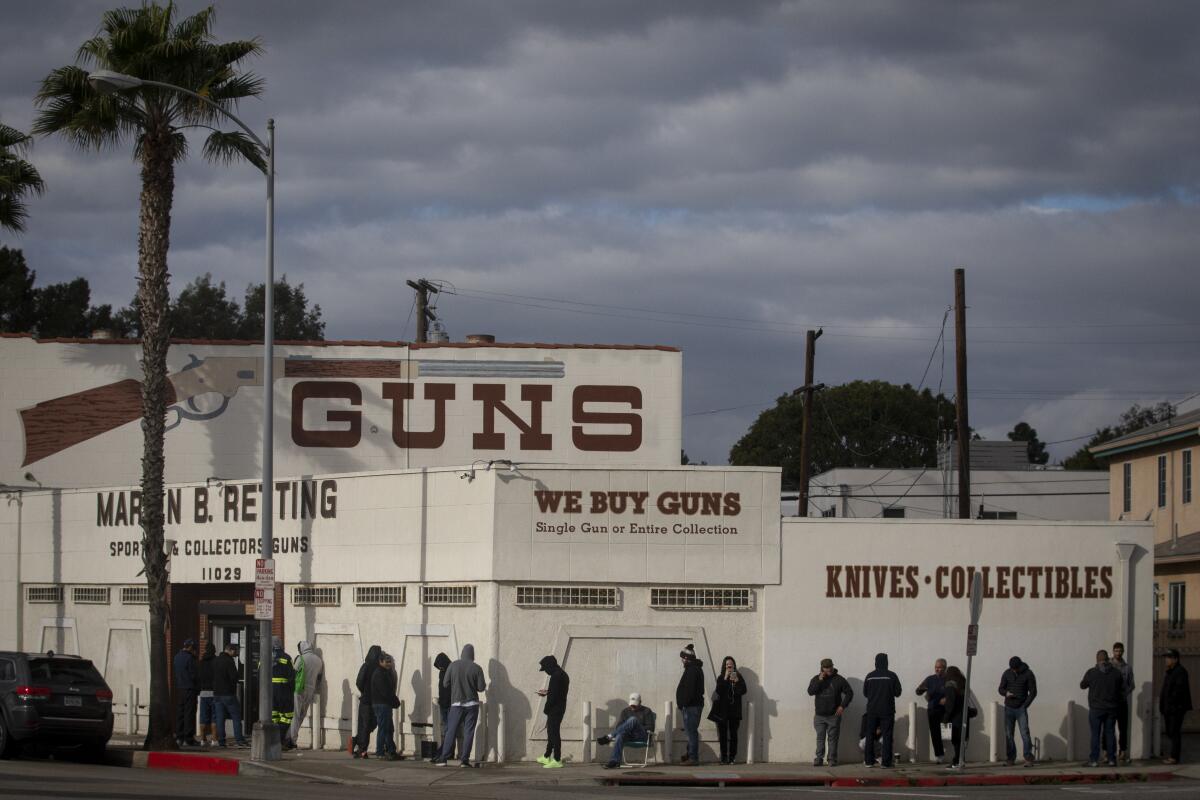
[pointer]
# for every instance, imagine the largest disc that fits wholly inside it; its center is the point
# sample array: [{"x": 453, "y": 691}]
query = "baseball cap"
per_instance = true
[
  {"x": 1172, "y": 653},
  {"x": 826, "y": 663},
  {"x": 635, "y": 699}
]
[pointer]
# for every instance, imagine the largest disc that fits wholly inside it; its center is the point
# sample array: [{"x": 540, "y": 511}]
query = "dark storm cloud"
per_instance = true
[{"x": 761, "y": 166}]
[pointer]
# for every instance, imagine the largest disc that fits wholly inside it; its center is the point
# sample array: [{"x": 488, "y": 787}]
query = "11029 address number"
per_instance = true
[{"x": 220, "y": 573}]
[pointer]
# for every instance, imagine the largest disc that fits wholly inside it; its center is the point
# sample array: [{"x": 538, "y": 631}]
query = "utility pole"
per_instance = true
[
  {"x": 960, "y": 405},
  {"x": 810, "y": 342},
  {"x": 424, "y": 316}
]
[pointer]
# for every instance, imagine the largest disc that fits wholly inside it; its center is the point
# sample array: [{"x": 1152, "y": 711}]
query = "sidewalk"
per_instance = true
[{"x": 337, "y": 767}]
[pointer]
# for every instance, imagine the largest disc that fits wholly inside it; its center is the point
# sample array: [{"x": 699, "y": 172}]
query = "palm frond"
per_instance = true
[{"x": 225, "y": 147}]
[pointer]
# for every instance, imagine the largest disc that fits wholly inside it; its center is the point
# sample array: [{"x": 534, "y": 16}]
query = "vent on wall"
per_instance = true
[
  {"x": 713, "y": 599},
  {"x": 44, "y": 594},
  {"x": 316, "y": 595},
  {"x": 135, "y": 595},
  {"x": 461, "y": 595},
  {"x": 380, "y": 595},
  {"x": 567, "y": 596},
  {"x": 96, "y": 595}
]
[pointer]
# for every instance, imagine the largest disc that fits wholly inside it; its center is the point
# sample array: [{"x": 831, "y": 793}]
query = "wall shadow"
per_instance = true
[{"x": 516, "y": 706}]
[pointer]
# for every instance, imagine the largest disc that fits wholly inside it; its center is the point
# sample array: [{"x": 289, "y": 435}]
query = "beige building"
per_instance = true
[{"x": 1151, "y": 477}]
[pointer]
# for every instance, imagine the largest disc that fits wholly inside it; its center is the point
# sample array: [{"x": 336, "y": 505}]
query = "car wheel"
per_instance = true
[{"x": 6, "y": 743}]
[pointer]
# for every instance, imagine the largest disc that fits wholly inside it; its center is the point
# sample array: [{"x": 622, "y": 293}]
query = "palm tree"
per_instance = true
[
  {"x": 149, "y": 43},
  {"x": 18, "y": 178}
]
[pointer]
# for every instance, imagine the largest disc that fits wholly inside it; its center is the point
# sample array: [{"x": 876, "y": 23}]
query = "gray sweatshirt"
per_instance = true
[{"x": 465, "y": 679}]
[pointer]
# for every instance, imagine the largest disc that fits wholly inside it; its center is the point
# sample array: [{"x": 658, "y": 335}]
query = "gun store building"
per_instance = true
[{"x": 526, "y": 499}]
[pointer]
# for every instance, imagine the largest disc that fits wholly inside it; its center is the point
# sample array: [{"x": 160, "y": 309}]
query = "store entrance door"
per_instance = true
[{"x": 242, "y": 633}]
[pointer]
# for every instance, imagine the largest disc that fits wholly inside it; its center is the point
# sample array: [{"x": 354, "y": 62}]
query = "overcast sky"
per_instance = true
[{"x": 716, "y": 176}]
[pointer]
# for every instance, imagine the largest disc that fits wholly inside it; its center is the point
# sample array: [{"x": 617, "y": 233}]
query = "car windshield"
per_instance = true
[{"x": 63, "y": 670}]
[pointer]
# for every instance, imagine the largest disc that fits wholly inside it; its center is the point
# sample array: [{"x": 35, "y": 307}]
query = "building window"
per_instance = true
[
  {"x": 1187, "y": 476},
  {"x": 135, "y": 595},
  {"x": 567, "y": 596},
  {"x": 1156, "y": 597},
  {"x": 830, "y": 512},
  {"x": 44, "y": 594},
  {"x": 697, "y": 598},
  {"x": 448, "y": 595},
  {"x": 380, "y": 595},
  {"x": 95, "y": 595},
  {"x": 893, "y": 512},
  {"x": 1127, "y": 487},
  {"x": 1162, "y": 481},
  {"x": 8, "y": 670},
  {"x": 1175, "y": 604},
  {"x": 997, "y": 514},
  {"x": 316, "y": 595}
]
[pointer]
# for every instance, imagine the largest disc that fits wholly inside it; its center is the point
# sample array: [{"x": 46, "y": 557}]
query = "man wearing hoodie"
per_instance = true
[
  {"x": 1174, "y": 701},
  {"x": 881, "y": 688},
  {"x": 186, "y": 692},
  {"x": 442, "y": 662},
  {"x": 1018, "y": 687},
  {"x": 1105, "y": 692},
  {"x": 1122, "y": 666},
  {"x": 465, "y": 679},
  {"x": 366, "y": 716},
  {"x": 556, "y": 706},
  {"x": 832, "y": 695},
  {"x": 689, "y": 696},
  {"x": 283, "y": 681},
  {"x": 309, "y": 669},
  {"x": 383, "y": 702}
]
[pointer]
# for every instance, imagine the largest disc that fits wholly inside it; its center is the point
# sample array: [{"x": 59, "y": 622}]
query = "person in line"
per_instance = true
[
  {"x": 556, "y": 706},
  {"x": 689, "y": 696},
  {"x": 955, "y": 710},
  {"x": 1105, "y": 690},
  {"x": 383, "y": 701},
  {"x": 1174, "y": 700},
  {"x": 186, "y": 693},
  {"x": 933, "y": 690},
  {"x": 1122, "y": 666},
  {"x": 726, "y": 710},
  {"x": 283, "y": 683},
  {"x": 832, "y": 696},
  {"x": 442, "y": 662},
  {"x": 310, "y": 671},
  {"x": 862, "y": 739},
  {"x": 881, "y": 688},
  {"x": 204, "y": 681},
  {"x": 635, "y": 724},
  {"x": 1018, "y": 687},
  {"x": 465, "y": 679},
  {"x": 366, "y": 715},
  {"x": 225, "y": 681}
]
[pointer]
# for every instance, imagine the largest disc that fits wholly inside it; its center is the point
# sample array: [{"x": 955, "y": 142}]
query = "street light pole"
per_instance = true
[{"x": 266, "y": 745}]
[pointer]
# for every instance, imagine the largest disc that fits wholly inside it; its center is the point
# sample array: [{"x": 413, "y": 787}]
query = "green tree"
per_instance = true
[
  {"x": 18, "y": 178},
  {"x": 858, "y": 424},
  {"x": 204, "y": 311},
  {"x": 148, "y": 42},
  {"x": 294, "y": 321},
  {"x": 1132, "y": 419},
  {"x": 18, "y": 300},
  {"x": 1035, "y": 449},
  {"x": 62, "y": 310}
]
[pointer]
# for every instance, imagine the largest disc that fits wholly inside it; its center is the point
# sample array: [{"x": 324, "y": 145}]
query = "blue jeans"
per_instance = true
[
  {"x": 691, "y": 724},
  {"x": 467, "y": 716},
  {"x": 1098, "y": 721},
  {"x": 385, "y": 737},
  {"x": 227, "y": 707},
  {"x": 631, "y": 730},
  {"x": 1020, "y": 718}
]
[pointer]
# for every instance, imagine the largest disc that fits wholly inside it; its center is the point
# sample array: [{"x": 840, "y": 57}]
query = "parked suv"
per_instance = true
[{"x": 53, "y": 701}]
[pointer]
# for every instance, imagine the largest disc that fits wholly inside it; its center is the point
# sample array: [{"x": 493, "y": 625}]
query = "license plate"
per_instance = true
[{"x": 73, "y": 701}]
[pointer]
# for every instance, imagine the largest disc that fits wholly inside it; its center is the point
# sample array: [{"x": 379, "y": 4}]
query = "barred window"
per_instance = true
[
  {"x": 700, "y": 598},
  {"x": 380, "y": 595},
  {"x": 44, "y": 594},
  {"x": 97, "y": 595},
  {"x": 567, "y": 596},
  {"x": 135, "y": 595},
  {"x": 316, "y": 595},
  {"x": 463, "y": 595}
]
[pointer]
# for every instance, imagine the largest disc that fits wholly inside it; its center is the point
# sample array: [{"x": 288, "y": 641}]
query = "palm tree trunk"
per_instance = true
[{"x": 158, "y": 187}]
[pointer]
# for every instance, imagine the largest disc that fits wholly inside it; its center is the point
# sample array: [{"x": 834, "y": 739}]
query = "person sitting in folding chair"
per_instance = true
[{"x": 636, "y": 724}]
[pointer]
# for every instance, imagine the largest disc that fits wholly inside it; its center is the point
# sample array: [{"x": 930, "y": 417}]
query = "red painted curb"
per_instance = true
[{"x": 184, "y": 762}]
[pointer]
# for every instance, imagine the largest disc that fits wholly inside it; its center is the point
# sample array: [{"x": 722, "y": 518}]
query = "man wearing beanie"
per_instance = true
[
  {"x": 833, "y": 694},
  {"x": 689, "y": 696},
  {"x": 1018, "y": 687}
]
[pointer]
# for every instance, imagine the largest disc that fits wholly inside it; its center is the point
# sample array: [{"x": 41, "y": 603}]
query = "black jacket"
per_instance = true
[
  {"x": 881, "y": 688},
  {"x": 363, "y": 681},
  {"x": 441, "y": 663},
  {"x": 690, "y": 691},
  {"x": 1022, "y": 684},
  {"x": 727, "y": 695},
  {"x": 204, "y": 674},
  {"x": 953, "y": 710},
  {"x": 383, "y": 688},
  {"x": 830, "y": 693},
  {"x": 1176, "y": 694},
  {"x": 560, "y": 684},
  {"x": 283, "y": 682},
  {"x": 185, "y": 670},
  {"x": 225, "y": 676},
  {"x": 1106, "y": 687}
]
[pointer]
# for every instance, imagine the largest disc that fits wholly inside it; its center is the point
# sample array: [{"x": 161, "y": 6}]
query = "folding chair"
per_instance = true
[{"x": 646, "y": 746}]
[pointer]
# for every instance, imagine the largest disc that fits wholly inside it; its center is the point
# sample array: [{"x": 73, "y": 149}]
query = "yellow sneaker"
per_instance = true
[
  {"x": 543, "y": 760},
  {"x": 552, "y": 764}
]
